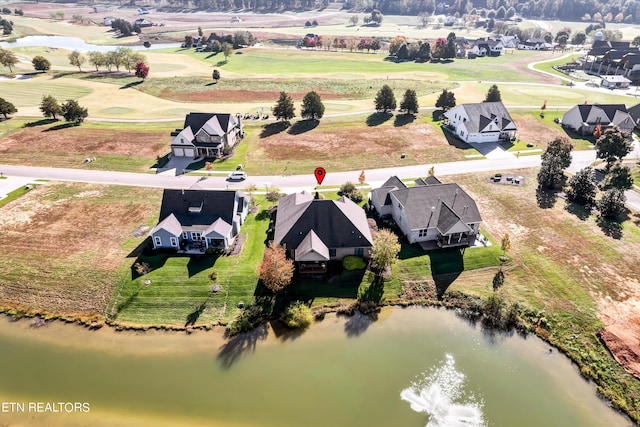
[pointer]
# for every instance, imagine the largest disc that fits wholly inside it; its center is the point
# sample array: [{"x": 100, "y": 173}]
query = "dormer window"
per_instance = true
[{"x": 195, "y": 207}]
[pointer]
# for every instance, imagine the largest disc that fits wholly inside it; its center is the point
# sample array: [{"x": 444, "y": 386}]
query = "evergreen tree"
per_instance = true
[
  {"x": 410, "y": 102},
  {"x": 312, "y": 106},
  {"x": 555, "y": 159},
  {"x": 50, "y": 107},
  {"x": 424, "y": 52},
  {"x": 612, "y": 146},
  {"x": 73, "y": 112},
  {"x": 619, "y": 177},
  {"x": 611, "y": 205},
  {"x": 493, "y": 95},
  {"x": 215, "y": 75},
  {"x": 446, "y": 100},
  {"x": 450, "y": 48},
  {"x": 284, "y": 109},
  {"x": 385, "y": 99},
  {"x": 7, "y": 108},
  {"x": 582, "y": 187}
]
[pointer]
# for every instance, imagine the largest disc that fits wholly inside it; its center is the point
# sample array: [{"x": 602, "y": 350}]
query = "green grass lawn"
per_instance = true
[
  {"x": 15, "y": 194},
  {"x": 548, "y": 66},
  {"x": 180, "y": 290},
  {"x": 21, "y": 93}
]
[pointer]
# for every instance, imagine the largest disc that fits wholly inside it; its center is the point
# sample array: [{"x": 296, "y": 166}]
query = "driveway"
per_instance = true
[{"x": 492, "y": 150}]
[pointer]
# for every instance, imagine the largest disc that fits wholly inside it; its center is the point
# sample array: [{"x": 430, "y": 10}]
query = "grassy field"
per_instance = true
[
  {"x": 180, "y": 291},
  {"x": 132, "y": 147}
]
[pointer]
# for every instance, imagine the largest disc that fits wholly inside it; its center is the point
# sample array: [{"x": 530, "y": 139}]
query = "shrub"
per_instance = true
[
  {"x": 213, "y": 275},
  {"x": 350, "y": 191},
  {"x": 298, "y": 315},
  {"x": 353, "y": 262}
]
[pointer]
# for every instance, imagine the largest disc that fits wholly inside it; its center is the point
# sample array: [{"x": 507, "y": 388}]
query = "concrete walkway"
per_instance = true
[{"x": 12, "y": 183}]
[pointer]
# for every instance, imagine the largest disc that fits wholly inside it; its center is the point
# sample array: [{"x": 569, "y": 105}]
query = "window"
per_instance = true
[
  {"x": 185, "y": 235},
  {"x": 358, "y": 251},
  {"x": 157, "y": 240},
  {"x": 332, "y": 252},
  {"x": 196, "y": 235},
  {"x": 422, "y": 233},
  {"x": 174, "y": 241}
]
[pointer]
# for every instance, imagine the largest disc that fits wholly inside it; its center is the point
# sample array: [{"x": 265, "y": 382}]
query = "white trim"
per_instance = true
[
  {"x": 157, "y": 241},
  {"x": 174, "y": 241}
]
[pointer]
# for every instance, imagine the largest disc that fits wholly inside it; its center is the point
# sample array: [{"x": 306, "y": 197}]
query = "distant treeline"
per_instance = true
[{"x": 568, "y": 10}]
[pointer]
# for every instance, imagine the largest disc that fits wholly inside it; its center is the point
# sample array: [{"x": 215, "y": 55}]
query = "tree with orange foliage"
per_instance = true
[{"x": 275, "y": 270}]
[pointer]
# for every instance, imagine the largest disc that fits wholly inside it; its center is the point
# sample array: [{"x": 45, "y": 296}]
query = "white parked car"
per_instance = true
[{"x": 237, "y": 176}]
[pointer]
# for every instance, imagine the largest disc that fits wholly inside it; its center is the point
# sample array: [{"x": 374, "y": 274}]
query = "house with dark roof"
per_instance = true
[
  {"x": 206, "y": 135},
  {"x": 486, "y": 47},
  {"x": 584, "y": 118},
  {"x": 197, "y": 220},
  {"x": 315, "y": 231},
  {"x": 431, "y": 212},
  {"x": 481, "y": 122}
]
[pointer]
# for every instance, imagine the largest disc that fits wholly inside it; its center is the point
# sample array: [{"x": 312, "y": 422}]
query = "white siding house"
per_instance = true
[{"x": 481, "y": 122}]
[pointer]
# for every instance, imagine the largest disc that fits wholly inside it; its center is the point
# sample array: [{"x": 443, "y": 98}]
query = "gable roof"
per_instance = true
[
  {"x": 337, "y": 223},
  {"x": 170, "y": 224},
  {"x": 215, "y": 124},
  {"x": 312, "y": 245},
  {"x": 198, "y": 207},
  {"x": 590, "y": 113},
  {"x": 482, "y": 114},
  {"x": 437, "y": 205},
  {"x": 393, "y": 183}
]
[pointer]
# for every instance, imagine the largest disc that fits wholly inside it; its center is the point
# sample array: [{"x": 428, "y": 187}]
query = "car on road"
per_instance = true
[{"x": 237, "y": 176}]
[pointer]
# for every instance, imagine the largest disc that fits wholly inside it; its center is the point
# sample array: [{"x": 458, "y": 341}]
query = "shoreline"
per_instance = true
[{"x": 469, "y": 307}]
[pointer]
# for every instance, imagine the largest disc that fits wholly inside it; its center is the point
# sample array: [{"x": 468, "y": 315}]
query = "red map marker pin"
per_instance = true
[{"x": 319, "y": 173}]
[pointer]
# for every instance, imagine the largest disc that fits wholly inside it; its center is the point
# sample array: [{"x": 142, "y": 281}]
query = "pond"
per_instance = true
[
  {"x": 75, "y": 43},
  {"x": 410, "y": 367}
]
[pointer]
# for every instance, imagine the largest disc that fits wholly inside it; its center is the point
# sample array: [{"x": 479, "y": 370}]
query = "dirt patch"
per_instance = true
[
  {"x": 351, "y": 147},
  {"x": 532, "y": 130},
  {"x": 84, "y": 140},
  {"x": 62, "y": 244}
]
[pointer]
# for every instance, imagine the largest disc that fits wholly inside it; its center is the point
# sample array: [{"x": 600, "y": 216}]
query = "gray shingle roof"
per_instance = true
[
  {"x": 420, "y": 201},
  {"x": 338, "y": 223},
  {"x": 482, "y": 114},
  {"x": 215, "y": 204}
]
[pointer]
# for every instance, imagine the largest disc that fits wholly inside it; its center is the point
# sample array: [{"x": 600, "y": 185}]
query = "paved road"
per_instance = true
[{"x": 290, "y": 183}]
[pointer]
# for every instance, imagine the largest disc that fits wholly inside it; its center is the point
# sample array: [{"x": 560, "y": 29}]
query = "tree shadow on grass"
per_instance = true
[
  {"x": 403, "y": 119},
  {"x": 273, "y": 129},
  {"x": 241, "y": 344},
  {"x": 211, "y": 55},
  {"x": 221, "y": 63},
  {"x": 303, "y": 126},
  {"x": 211, "y": 84},
  {"x": 61, "y": 126},
  {"x": 546, "y": 199},
  {"x": 581, "y": 212},
  {"x": 192, "y": 317},
  {"x": 131, "y": 84},
  {"x": 374, "y": 291},
  {"x": 378, "y": 118},
  {"x": 40, "y": 122},
  {"x": 611, "y": 228},
  {"x": 437, "y": 115}
]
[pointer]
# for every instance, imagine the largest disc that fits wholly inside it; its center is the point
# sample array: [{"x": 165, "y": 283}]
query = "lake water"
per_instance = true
[
  {"x": 75, "y": 43},
  {"x": 411, "y": 367}
]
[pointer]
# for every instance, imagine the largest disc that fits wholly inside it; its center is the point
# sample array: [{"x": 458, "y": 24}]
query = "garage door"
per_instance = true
[
  {"x": 189, "y": 152},
  {"x": 178, "y": 152}
]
